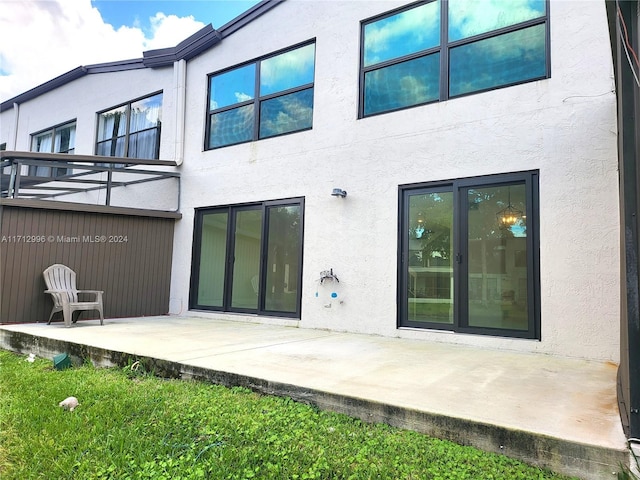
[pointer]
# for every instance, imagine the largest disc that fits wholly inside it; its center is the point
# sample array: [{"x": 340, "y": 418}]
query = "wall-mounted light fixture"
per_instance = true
[{"x": 338, "y": 192}]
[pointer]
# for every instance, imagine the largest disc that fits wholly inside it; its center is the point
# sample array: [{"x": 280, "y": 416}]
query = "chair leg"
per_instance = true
[
  {"x": 101, "y": 316},
  {"x": 66, "y": 312},
  {"x": 53, "y": 312}
]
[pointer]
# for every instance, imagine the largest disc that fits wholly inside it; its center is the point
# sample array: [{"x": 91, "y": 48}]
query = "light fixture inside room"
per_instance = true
[
  {"x": 509, "y": 216},
  {"x": 338, "y": 192},
  {"x": 419, "y": 230}
]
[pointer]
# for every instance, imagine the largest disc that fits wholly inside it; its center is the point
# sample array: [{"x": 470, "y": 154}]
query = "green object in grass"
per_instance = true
[{"x": 61, "y": 361}]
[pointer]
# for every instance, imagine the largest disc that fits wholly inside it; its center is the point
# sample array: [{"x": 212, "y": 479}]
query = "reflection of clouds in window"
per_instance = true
[
  {"x": 286, "y": 114},
  {"x": 408, "y": 83},
  {"x": 290, "y": 73},
  {"x": 401, "y": 34},
  {"x": 468, "y": 18},
  {"x": 287, "y": 70},
  {"x": 231, "y": 126},
  {"x": 242, "y": 97},
  {"x": 497, "y": 61},
  {"x": 225, "y": 88}
]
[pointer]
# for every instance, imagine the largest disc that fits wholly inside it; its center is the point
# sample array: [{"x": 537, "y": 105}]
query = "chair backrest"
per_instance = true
[{"x": 60, "y": 277}]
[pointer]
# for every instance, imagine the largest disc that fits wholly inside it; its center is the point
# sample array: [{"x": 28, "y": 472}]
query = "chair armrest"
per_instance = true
[{"x": 97, "y": 293}]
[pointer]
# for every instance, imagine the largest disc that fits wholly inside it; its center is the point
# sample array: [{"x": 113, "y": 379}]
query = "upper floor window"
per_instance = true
[
  {"x": 59, "y": 139},
  {"x": 267, "y": 97},
  {"x": 440, "y": 49},
  {"x": 131, "y": 130}
]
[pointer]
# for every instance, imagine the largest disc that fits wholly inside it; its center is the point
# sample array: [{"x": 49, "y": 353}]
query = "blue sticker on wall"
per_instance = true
[
  {"x": 316, "y": 294},
  {"x": 334, "y": 295}
]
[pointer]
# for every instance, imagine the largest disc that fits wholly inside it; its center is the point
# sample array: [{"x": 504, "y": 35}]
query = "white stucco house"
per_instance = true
[{"x": 437, "y": 170}]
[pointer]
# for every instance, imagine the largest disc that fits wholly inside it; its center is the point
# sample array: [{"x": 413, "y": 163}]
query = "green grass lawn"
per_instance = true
[{"x": 132, "y": 425}]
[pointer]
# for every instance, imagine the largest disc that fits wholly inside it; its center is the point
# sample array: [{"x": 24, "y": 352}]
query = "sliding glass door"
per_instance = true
[
  {"x": 469, "y": 260},
  {"x": 247, "y": 258}
]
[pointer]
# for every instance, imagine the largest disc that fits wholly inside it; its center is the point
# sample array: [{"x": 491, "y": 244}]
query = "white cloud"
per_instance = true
[
  {"x": 242, "y": 97},
  {"x": 46, "y": 38},
  {"x": 170, "y": 30}
]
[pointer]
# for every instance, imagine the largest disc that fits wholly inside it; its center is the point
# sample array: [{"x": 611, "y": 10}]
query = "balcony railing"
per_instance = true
[{"x": 90, "y": 179}]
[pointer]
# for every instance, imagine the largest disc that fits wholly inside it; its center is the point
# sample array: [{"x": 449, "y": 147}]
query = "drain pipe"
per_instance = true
[
  {"x": 16, "y": 115},
  {"x": 180, "y": 101}
]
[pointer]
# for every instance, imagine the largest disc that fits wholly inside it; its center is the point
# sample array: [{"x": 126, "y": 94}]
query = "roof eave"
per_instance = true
[
  {"x": 70, "y": 76},
  {"x": 248, "y": 16},
  {"x": 204, "y": 39},
  {"x": 197, "y": 43}
]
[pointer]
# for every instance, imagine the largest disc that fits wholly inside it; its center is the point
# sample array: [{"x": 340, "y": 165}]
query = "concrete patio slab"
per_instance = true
[{"x": 558, "y": 413}]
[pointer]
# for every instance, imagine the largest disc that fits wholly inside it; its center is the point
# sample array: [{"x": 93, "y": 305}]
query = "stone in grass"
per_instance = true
[{"x": 69, "y": 403}]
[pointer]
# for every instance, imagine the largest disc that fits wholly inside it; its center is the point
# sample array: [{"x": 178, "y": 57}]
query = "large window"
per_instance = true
[
  {"x": 267, "y": 97},
  {"x": 469, "y": 255},
  {"x": 247, "y": 258},
  {"x": 440, "y": 49},
  {"x": 59, "y": 139},
  {"x": 131, "y": 130}
]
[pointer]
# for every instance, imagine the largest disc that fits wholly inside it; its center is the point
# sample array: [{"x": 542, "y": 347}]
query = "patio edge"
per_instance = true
[{"x": 589, "y": 462}]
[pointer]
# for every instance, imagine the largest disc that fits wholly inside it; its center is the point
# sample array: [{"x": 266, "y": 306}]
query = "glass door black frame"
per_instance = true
[
  {"x": 232, "y": 211},
  {"x": 460, "y": 187}
]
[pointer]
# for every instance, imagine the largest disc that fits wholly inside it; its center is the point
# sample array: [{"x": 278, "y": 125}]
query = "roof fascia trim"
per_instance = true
[
  {"x": 197, "y": 43},
  {"x": 248, "y": 16},
  {"x": 205, "y": 38},
  {"x": 45, "y": 87},
  {"x": 193, "y": 46},
  {"x": 70, "y": 76},
  {"x": 119, "y": 66}
]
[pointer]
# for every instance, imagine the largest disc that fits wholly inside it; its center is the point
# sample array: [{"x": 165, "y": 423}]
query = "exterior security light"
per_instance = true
[{"x": 338, "y": 192}]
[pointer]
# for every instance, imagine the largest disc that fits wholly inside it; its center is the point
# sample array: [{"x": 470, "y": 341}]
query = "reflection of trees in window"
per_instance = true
[
  {"x": 431, "y": 223},
  {"x": 272, "y": 96},
  {"x": 463, "y": 266},
  {"x": 485, "y": 45},
  {"x": 282, "y": 258}
]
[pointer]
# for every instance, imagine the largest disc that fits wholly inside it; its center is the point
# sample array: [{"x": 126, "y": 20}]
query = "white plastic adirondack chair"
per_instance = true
[{"x": 61, "y": 284}]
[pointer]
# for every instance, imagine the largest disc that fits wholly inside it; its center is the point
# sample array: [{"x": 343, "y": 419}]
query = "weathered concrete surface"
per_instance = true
[{"x": 557, "y": 413}]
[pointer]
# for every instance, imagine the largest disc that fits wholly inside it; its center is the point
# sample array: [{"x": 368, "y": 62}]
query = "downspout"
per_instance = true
[
  {"x": 180, "y": 101},
  {"x": 16, "y": 115}
]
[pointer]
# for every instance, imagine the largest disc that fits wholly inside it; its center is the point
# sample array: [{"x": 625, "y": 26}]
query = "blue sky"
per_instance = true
[
  {"x": 138, "y": 12},
  {"x": 72, "y": 33}
]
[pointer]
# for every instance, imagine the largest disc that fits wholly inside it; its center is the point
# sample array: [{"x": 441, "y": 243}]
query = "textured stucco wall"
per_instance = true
[
  {"x": 564, "y": 126},
  {"x": 81, "y": 99}
]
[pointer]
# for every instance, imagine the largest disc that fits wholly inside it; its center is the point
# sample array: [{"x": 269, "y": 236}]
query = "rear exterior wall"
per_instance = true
[{"x": 563, "y": 126}]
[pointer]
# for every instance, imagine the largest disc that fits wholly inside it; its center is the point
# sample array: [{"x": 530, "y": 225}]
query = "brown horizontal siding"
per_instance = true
[{"x": 128, "y": 257}]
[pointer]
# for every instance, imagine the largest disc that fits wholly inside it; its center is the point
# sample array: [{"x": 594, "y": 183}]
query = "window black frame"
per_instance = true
[
  {"x": 56, "y": 171},
  {"x": 128, "y": 132},
  {"x": 444, "y": 48},
  {"x": 229, "y": 257},
  {"x": 257, "y": 100},
  {"x": 460, "y": 253}
]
